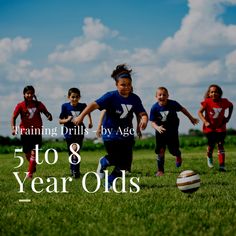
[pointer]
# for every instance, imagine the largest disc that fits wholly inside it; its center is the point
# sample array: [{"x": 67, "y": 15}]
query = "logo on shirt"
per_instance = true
[
  {"x": 75, "y": 113},
  {"x": 164, "y": 115},
  {"x": 126, "y": 108},
  {"x": 31, "y": 112},
  {"x": 216, "y": 112}
]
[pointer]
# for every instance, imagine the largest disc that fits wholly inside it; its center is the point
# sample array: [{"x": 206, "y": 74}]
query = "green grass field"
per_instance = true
[{"x": 159, "y": 208}]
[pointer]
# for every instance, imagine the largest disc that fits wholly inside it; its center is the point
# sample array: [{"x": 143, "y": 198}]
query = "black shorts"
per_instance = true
[
  {"x": 29, "y": 142},
  {"x": 169, "y": 140},
  {"x": 214, "y": 138},
  {"x": 120, "y": 153}
]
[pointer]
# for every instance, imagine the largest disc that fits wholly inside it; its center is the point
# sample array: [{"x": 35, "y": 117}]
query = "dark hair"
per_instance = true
[
  {"x": 219, "y": 90},
  {"x": 74, "y": 90},
  {"x": 121, "y": 71},
  {"x": 30, "y": 88}
]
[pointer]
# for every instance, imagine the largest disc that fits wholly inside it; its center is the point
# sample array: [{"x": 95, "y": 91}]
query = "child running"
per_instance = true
[
  {"x": 118, "y": 139},
  {"x": 31, "y": 125},
  {"x": 212, "y": 114},
  {"x": 72, "y": 133},
  {"x": 164, "y": 120}
]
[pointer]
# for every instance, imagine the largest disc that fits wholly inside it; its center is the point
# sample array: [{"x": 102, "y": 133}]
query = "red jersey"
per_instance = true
[
  {"x": 215, "y": 114},
  {"x": 30, "y": 114}
]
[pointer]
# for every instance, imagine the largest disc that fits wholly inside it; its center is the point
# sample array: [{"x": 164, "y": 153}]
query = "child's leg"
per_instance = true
[
  {"x": 211, "y": 140},
  {"x": 32, "y": 164},
  {"x": 173, "y": 146},
  {"x": 160, "y": 161},
  {"x": 221, "y": 154},
  {"x": 28, "y": 155},
  {"x": 221, "y": 151}
]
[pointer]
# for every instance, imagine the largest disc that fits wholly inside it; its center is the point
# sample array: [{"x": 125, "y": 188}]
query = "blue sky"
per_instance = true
[{"x": 57, "y": 44}]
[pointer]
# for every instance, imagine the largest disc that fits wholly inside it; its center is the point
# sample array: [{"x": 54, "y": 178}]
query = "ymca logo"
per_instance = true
[
  {"x": 216, "y": 112},
  {"x": 164, "y": 115},
  {"x": 126, "y": 108},
  {"x": 31, "y": 112},
  {"x": 75, "y": 113}
]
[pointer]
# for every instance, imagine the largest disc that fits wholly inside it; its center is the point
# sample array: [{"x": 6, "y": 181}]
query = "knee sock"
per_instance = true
[
  {"x": 161, "y": 160},
  {"x": 221, "y": 155}
]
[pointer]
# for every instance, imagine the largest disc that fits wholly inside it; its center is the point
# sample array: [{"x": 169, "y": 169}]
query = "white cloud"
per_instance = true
[
  {"x": 202, "y": 32},
  {"x": 8, "y": 47},
  {"x": 87, "y": 47}
]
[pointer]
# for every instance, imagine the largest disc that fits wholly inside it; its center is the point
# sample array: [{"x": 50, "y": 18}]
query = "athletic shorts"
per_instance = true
[
  {"x": 29, "y": 142},
  {"x": 214, "y": 138},
  {"x": 168, "y": 140},
  {"x": 120, "y": 153}
]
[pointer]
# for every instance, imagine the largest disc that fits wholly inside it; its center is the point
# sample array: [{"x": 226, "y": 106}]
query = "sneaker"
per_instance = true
[
  {"x": 159, "y": 173},
  {"x": 102, "y": 165},
  {"x": 222, "y": 169},
  {"x": 178, "y": 162},
  {"x": 210, "y": 162},
  {"x": 29, "y": 175}
]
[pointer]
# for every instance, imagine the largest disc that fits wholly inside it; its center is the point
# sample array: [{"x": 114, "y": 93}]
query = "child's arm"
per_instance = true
[
  {"x": 90, "y": 124},
  {"x": 48, "y": 115},
  {"x": 91, "y": 107},
  {"x": 202, "y": 117},
  {"x": 65, "y": 120},
  {"x": 138, "y": 131},
  {"x": 143, "y": 120},
  {"x": 13, "y": 125},
  {"x": 193, "y": 120},
  {"x": 229, "y": 114},
  {"x": 160, "y": 129},
  {"x": 98, "y": 133}
]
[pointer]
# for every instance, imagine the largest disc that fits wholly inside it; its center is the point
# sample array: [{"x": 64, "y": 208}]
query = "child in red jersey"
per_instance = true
[
  {"x": 31, "y": 123},
  {"x": 212, "y": 114}
]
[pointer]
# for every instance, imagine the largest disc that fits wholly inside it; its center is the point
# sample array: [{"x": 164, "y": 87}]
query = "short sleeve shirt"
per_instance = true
[
  {"x": 215, "y": 114},
  {"x": 166, "y": 115},
  {"x": 117, "y": 123},
  {"x": 67, "y": 110},
  {"x": 30, "y": 114}
]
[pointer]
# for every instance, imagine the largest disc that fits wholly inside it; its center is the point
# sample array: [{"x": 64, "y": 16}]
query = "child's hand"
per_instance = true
[
  {"x": 98, "y": 132},
  {"x": 90, "y": 125},
  {"x": 195, "y": 121},
  {"x": 207, "y": 124},
  {"x": 160, "y": 129},
  {"x": 49, "y": 116}
]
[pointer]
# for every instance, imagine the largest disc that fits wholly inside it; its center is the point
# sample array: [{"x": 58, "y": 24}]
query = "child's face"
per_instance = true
[
  {"x": 124, "y": 86},
  {"x": 74, "y": 99},
  {"x": 213, "y": 93},
  {"x": 29, "y": 95},
  {"x": 162, "y": 97}
]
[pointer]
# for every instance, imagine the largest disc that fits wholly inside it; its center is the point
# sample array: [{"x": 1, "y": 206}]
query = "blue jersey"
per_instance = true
[
  {"x": 166, "y": 115},
  {"x": 70, "y": 129},
  {"x": 117, "y": 123}
]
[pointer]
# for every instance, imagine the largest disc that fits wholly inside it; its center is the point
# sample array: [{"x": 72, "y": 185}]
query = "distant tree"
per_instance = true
[{"x": 195, "y": 132}]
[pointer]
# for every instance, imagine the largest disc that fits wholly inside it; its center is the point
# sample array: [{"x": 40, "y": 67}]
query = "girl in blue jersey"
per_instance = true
[
  {"x": 73, "y": 133},
  {"x": 117, "y": 127},
  {"x": 164, "y": 120}
]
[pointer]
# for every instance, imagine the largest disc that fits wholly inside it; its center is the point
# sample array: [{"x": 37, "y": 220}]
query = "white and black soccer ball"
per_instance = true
[{"x": 188, "y": 181}]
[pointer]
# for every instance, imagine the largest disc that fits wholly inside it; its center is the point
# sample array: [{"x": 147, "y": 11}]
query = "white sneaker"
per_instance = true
[{"x": 210, "y": 162}]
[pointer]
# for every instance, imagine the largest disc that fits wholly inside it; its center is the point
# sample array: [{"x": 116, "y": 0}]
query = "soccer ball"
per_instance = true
[{"x": 188, "y": 181}]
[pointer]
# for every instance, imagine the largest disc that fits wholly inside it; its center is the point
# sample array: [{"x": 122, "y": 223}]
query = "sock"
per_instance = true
[
  {"x": 161, "y": 160},
  {"x": 32, "y": 166},
  {"x": 210, "y": 151},
  {"x": 221, "y": 155}
]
